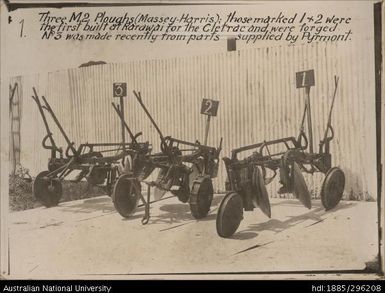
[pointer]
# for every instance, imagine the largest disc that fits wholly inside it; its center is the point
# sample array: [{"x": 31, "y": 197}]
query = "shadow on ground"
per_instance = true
[
  {"x": 103, "y": 204},
  {"x": 315, "y": 214},
  {"x": 180, "y": 214}
]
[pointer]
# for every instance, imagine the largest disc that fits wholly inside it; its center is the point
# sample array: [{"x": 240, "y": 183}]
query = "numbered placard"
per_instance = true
[
  {"x": 305, "y": 78},
  {"x": 209, "y": 107},
  {"x": 119, "y": 89}
]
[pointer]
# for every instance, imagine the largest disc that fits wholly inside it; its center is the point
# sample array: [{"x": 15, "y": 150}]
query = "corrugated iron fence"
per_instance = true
[{"x": 258, "y": 101}]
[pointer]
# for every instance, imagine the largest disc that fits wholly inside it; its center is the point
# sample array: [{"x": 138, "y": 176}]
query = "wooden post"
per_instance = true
[
  {"x": 207, "y": 129},
  {"x": 122, "y": 122},
  {"x": 309, "y": 123}
]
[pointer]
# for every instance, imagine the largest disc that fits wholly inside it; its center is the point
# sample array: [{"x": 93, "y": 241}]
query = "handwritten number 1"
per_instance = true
[
  {"x": 304, "y": 79},
  {"x": 22, "y": 28}
]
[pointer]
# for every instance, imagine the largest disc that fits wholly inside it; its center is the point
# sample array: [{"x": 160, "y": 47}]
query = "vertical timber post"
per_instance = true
[
  {"x": 379, "y": 35},
  {"x": 122, "y": 123},
  {"x": 305, "y": 79},
  {"x": 119, "y": 90},
  {"x": 207, "y": 129},
  {"x": 309, "y": 123},
  {"x": 209, "y": 108}
]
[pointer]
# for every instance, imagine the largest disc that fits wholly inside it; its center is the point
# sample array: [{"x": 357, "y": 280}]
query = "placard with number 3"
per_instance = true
[{"x": 119, "y": 89}]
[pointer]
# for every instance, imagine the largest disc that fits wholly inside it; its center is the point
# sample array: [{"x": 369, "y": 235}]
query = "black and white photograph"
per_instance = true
[{"x": 192, "y": 140}]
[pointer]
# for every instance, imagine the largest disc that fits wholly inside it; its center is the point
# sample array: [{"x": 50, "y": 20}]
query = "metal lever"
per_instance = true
[
  {"x": 120, "y": 114},
  {"x": 146, "y": 216},
  {"x": 327, "y": 138},
  {"x": 139, "y": 98}
]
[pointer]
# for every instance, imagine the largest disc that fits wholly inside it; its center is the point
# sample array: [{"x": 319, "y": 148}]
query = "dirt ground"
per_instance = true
[{"x": 87, "y": 238}]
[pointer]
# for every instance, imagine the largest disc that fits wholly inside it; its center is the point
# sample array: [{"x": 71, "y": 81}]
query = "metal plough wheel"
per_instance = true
[
  {"x": 126, "y": 195},
  {"x": 332, "y": 188},
  {"x": 230, "y": 214},
  {"x": 201, "y": 196},
  {"x": 47, "y": 191}
]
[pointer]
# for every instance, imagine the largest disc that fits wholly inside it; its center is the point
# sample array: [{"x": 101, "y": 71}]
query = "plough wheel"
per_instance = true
[
  {"x": 230, "y": 215},
  {"x": 201, "y": 197},
  {"x": 126, "y": 195},
  {"x": 47, "y": 191},
  {"x": 332, "y": 188},
  {"x": 300, "y": 189}
]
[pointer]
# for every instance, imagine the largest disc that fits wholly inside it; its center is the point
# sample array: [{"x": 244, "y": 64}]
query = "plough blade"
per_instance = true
[
  {"x": 300, "y": 189},
  {"x": 164, "y": 182},
  {"x": 261, "y": 198},
  {"x": 159, "y": 193}
]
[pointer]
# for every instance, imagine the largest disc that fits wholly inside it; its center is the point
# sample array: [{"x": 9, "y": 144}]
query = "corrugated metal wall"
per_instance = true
[{"x": 258, "y": 101}]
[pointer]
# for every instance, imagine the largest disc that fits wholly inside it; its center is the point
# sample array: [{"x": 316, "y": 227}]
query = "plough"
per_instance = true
[
  {"x": 185, "y": 169},
  {"x": 247, "y": 178},
  {"x": 98, "y": 170}
]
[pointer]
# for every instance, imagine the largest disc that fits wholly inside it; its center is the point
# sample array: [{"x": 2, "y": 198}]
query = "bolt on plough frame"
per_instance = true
[
  {"x": 185, "y": 169},
  {"x": 88, "y": 158},
  {"x": 247, "y": 178}
]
